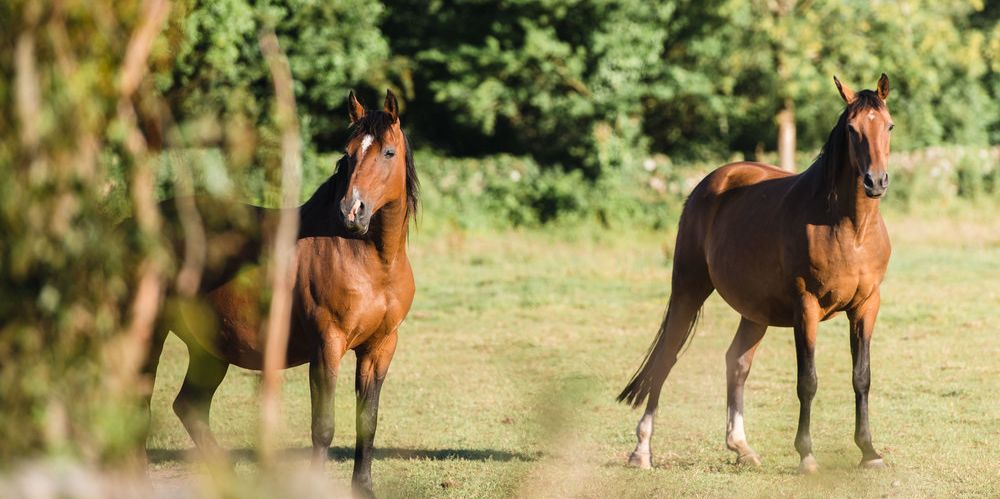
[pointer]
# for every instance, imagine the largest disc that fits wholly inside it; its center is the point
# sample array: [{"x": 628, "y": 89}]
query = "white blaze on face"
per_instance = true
[
  {"x": 366, "y": 142},
  {"x": 356, "y": 205},
  {"x": 871, "y": 115}
]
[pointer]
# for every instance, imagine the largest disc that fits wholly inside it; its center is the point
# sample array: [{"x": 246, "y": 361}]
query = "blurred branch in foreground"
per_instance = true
[
  {"x": 282, "y": 261},
  {"x": 131, "y": 349}
]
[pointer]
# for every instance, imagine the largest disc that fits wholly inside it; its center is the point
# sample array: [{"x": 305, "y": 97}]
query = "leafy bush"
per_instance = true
[
  {"x": 944, "y": 174},
  {"x": 576, "y": 85},
  {"x": 65, "y": 273},
  {"x": 209, "y": 65},
  {"x": 508, "y": 191}
]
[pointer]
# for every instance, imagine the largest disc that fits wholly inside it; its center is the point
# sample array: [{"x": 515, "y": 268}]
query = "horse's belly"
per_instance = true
[
  {"x": 229, "y": 327},
  {"x": 758, "y": 305},
  {"x": 753, "y": 285}
]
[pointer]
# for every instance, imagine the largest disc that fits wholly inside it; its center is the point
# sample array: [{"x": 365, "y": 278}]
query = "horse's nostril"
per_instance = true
[
  {"x": 885, "y": 180},
  {"x": 869, "y": 181}
]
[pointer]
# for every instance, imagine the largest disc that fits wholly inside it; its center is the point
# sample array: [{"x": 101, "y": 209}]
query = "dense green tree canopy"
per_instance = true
[
  {"x": 210, "y": 65},
  {"x": 590, "y": 84},
  {"x": 560, "y": 80}
]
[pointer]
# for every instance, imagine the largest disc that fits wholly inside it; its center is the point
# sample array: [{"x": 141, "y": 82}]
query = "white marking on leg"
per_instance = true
[
  {"x": 808, "y": 465},
  {"x": 641, "y": 457},
  {"x": 734, "y": 428},
  {"x": 644, "y": 430}
]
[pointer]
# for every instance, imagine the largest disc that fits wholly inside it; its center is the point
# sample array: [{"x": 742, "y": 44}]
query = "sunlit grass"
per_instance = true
[{"x": 506, "y": 371}]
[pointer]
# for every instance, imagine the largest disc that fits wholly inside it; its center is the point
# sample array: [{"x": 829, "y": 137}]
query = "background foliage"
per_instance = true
[
  {"x": 63, "y": 281},
  {"x": 592, "y": 85},
  {"x": 589, "y": 86}
]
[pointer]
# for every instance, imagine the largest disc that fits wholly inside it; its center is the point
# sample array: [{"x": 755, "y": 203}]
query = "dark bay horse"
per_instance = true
[
  {"x": 782, "y": 250},
  {"x": 354, "y": 286}
]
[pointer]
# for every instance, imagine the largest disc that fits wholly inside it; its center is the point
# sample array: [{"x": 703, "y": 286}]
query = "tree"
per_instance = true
[
  {"x": 211, "y": 72},
  {"x": 771, "y": 58},
  {"x": 565, "y": 82}
]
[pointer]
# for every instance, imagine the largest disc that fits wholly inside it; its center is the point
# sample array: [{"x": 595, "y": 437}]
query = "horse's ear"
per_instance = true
[
  {"x": 845, "y": 92},
  {"x": 391, "y": 106},
  {"x": 883, "y": 87},
  {"x": 354, "y": 108}
]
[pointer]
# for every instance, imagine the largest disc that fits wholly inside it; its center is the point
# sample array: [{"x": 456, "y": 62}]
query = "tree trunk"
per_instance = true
[{"x": 786, "y": 136}]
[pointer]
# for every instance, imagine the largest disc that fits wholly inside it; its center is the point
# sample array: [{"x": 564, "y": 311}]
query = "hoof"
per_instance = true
[
  {"x": 808, "y": 466},
  {"x": 750, "y": 459},
  {"x": 639, "y": 460},
  {"x": 872, "y": 464},
  {"x": 364, "y": 490}
]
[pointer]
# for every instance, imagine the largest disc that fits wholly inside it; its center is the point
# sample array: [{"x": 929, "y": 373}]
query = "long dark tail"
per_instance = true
[{"x": 660, "y": 358}]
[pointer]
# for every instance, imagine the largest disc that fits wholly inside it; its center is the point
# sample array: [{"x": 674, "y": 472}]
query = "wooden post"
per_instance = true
[{"x": 786, "y": 136}]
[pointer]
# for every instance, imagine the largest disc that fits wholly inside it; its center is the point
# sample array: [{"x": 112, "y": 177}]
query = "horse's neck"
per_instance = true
[{"x": 390, "y": 231}]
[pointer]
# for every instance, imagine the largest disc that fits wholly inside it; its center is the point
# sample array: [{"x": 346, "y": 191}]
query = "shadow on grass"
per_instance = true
[{"x": 344, "y": 453}]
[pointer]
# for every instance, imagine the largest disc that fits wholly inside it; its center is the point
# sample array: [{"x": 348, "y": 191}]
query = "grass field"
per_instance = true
[{"x": 507, "y": 367}]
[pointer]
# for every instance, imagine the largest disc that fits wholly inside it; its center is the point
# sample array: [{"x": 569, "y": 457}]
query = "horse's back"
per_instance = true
[
  {"x": 736, "y": 176},
  {"x": 748, "y": 190},
  {"x": 233, "y": 235}
]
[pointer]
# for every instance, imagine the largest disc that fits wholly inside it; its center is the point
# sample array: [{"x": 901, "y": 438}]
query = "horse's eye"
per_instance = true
[
  {"x": 390, "y": 153},
  {"x": 891, "y": 126}
]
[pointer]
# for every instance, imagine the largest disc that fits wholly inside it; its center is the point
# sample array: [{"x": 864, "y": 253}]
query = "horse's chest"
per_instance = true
[
  {"x": 840, "y": 275},
  {"x": 360, "y": 309}
]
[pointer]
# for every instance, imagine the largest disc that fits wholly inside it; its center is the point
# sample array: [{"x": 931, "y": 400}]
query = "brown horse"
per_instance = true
[
  {"x": 354, "y": 286},
  {"x": 783, "y": 250}
]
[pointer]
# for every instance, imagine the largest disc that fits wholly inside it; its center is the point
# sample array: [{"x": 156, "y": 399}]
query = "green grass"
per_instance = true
[{"x": 507, "y": 367}]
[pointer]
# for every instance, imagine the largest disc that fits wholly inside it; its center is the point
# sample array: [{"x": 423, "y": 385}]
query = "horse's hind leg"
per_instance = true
[
  {"x": 148, "y": 372},
  {"x": 738, "y": 361},
  {"x": 688, "y": 292},
  {"x": 204, "y": 374}
]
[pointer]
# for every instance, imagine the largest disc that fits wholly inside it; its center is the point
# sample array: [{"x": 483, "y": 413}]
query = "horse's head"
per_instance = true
[
  {"x": 868, "y": 130},
  {"x": 376, "y": 157}
]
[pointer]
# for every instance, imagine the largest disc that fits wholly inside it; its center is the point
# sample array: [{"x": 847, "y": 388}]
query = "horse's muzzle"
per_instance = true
[
  {"x": 875, "y": 185},
  {"x": 356, "y": 214}
]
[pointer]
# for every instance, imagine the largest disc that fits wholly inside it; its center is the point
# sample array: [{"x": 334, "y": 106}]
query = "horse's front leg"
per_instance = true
[
  {"x": 373, "y": 363},
  {"x": 806, "y": 324},
  {"x": 862, "y": 326},
  {"x": 323, "y": 369}
]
